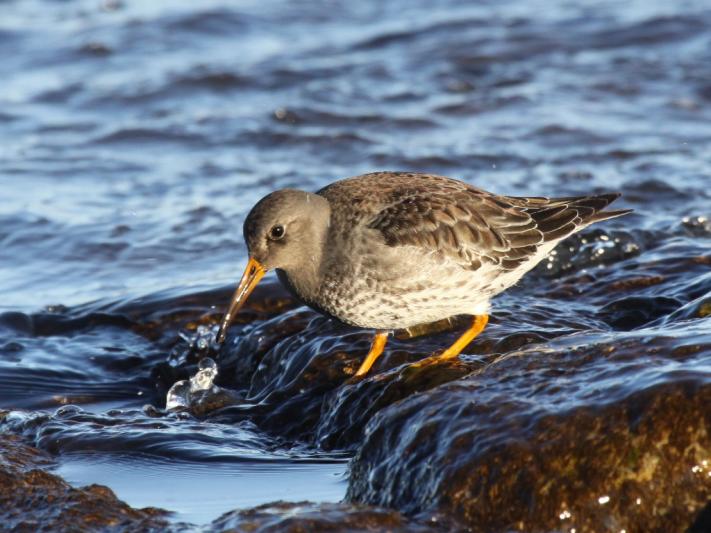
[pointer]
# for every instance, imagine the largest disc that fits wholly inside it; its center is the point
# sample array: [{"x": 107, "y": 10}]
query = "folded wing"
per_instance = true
[{"x": 475, "y": 227}]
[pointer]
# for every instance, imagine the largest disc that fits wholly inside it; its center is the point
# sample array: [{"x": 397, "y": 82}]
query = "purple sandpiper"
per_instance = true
[{"x": 393, "y": 250}]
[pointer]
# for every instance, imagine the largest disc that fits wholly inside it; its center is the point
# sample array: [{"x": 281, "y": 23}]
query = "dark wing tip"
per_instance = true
[
  {"x": 599, "y": 214},
  {"x": 607, "y": 215},
  {"x": 559, "y": 217}
]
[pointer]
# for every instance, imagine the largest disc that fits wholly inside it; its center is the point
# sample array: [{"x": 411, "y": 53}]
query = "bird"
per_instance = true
[{"x": 387, "y": 251}]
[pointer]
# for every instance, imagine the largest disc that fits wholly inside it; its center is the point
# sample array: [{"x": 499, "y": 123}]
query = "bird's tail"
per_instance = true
[{"x": 558, "y": 217}]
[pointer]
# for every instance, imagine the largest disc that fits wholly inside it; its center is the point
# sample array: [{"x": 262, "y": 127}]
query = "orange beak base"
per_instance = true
[{"x": 253, "y": 272}]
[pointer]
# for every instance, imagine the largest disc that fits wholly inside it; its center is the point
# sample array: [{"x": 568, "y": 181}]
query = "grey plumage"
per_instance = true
[{"x": 392, "y": 250}]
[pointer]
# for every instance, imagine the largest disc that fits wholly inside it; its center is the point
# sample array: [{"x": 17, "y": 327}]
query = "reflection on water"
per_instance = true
[{"x": 199, "y": 493}]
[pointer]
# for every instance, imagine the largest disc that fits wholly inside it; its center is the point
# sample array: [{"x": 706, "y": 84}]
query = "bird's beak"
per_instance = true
[{"x": 252, "y": 274}]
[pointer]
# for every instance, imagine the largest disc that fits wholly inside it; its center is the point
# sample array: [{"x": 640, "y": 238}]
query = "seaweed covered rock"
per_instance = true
[{"x": 592, "y": 432}]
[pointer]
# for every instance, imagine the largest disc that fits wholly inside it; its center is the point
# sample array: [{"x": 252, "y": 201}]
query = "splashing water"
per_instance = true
[
  {"x": 199, "y": 343},
  {"x": 180, "y": 394},
  {"x": 207, "y": 372}
]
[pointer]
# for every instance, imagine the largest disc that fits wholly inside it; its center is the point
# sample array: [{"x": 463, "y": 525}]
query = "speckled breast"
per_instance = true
[{"x": 394, "y": 288}]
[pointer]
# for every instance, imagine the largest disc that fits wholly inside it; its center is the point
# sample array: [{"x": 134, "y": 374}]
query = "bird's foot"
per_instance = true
[
  {"x": 432, "y": 360},
  {"x": 354, "y": 379}
]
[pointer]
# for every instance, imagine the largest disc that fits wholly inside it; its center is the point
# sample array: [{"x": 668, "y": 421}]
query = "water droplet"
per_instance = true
[
  {"x": 207, "y": 371},
  {"x": 178, "y": 395}
]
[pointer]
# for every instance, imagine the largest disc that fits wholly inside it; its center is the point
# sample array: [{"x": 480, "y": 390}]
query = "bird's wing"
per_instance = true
[
  {"x": 449, "y": 217},
  {"x": 452, "y": 218},
  {"x": 466, "y": 224}
]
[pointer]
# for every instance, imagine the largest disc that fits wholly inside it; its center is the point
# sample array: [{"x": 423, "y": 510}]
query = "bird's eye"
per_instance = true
[{"x": 276, "y": 233}]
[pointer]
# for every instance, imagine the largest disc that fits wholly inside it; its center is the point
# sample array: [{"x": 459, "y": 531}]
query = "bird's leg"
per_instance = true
[
  {"x": 381, "y": 337},
  {"x": 478, "y": 325}
]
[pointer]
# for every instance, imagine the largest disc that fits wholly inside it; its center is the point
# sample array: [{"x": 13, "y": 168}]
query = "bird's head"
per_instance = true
[{"x": 285, "y": 230}]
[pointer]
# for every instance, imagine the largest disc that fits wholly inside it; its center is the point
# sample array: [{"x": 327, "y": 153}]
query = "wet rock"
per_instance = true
[
  {"x": 202, "y": 402},
  {"x": 698, "y": 308},
  {"x": 199, "y": 395},
  {"x": 176, "y": 436},
  {"x": 292, "y": 378},
  {"x": 635, "y": 311},
  {"x": 306, "y": 517},
  {"x": 32, "y": 499},
  {"x": 697, "y": 226},
  {"x": 592, "y": 432},
  {"x": 298, "y": 368},
  {"x": 590, "y": 248},
  {"x": 346, "y": 412}
]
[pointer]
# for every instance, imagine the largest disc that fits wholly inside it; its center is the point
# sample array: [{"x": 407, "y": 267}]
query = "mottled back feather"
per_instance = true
[{"x": 449, "y": 217}]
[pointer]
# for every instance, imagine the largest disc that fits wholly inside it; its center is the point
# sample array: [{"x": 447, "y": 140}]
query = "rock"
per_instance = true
[
  {"x": 592, "y": 432},
  {"x": 346, "y": 412},
  {"x": 548, "y": 421},
  {"x": 635, "y": 311},
  {"x": 32, "y": 499},
  {"x": 702, "y": 524},
  {"x": 298, "y": 369},
  {"x": 307, "y": 517},
  {"x": 699, "y": 308}
]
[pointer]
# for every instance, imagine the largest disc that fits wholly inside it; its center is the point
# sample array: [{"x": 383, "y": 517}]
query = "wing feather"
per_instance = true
[{"x": 454, "y": 219}]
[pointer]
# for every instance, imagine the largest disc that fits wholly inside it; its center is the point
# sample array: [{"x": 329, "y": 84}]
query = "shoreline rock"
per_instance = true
[
  {"x": 32, "y": 499},
  {"x": 536, "y": 442}
]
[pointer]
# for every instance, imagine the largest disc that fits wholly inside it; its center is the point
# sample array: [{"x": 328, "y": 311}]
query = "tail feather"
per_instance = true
[{"x": 559, "y": 217}]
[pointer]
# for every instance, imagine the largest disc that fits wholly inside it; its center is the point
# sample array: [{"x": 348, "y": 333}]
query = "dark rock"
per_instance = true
[
  {"x": 346, "y": 412},
  {"x": 592, "y": 247},
  {"x": 297, "y": 364},
  {"x": 635, "y": 311},
  {"x": 698, "y": 308},
  {"x": 32, "y": 499},
  {"x": 592, "y": 432},
  {"x": 697, "y": 226},
  {"x": 204, "y": 402},
  {"x": 16, "y": 322}
]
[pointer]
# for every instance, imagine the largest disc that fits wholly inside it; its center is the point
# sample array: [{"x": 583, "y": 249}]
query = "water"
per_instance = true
[
  {"x": 201, "y": 493},
  {"x": 180, "y": 394},
  {"x": 135, "y": 136}
]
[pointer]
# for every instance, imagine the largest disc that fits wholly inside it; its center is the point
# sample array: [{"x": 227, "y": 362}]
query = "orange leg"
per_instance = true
[
  {"x": 381, "y": 337},
  {"x": 478, "y": 325}
]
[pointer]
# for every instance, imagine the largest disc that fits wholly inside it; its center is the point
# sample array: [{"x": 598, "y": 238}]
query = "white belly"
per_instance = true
[{"x": 412, "y": 288}]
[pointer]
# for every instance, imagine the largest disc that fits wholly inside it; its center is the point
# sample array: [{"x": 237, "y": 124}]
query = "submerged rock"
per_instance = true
[
  {"x": 199, "y": 395},
  {"x": 594, "y": 432}
]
